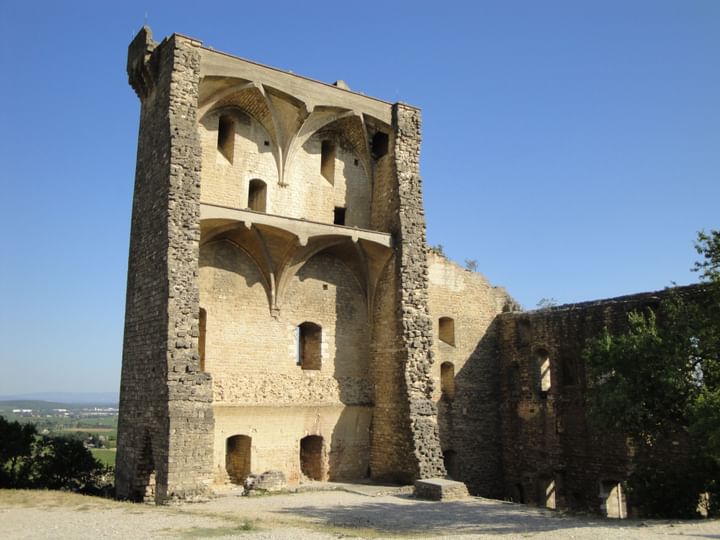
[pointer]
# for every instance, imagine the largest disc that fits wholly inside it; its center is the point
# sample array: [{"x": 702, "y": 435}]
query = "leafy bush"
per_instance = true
[
  {"x": 28, "y": 460},
  {"x": 659, "y": 384}
]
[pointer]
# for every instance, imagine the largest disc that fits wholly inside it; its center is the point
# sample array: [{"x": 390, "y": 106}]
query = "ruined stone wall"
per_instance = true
[
  {"x": 404, "y": 357},
  {"x": 468, "y": 416},
  {"x": 551, "y": 455},
  {"x": 165, "y": 425},
  {"x": 372, "y": 398}
]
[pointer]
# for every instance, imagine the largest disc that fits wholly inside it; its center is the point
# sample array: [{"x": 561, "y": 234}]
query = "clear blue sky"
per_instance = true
[{"x": 571, "y": 147}]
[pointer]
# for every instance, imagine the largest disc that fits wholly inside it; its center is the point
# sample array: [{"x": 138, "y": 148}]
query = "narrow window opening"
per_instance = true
[
  {"x": 447, "y": 330},
  {"x": 312, "y": 457},
  {"x": 226, "y": 137},
  {"x": 266, "y": 143},
  {"x": 447, "y": 381},
  {"x": 309, "y": 346},
  {"x": 380, "y": 143},
  {"x": 237, "y": 458},
  {"x": 356, "y": 162},
  {"x": 327, "y": 160},
  {"x": 543, "y": 370},
  {"x": 201, "y": 337},
  {"x": 339, "y": 216},
  {"x": 257, "y": 196}
]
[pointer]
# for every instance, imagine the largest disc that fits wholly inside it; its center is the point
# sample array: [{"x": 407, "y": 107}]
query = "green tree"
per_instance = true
[
  {"x": 659, "y": 384},
  {"x": 65, "y": 463},
  {"x": 16, "y": 446},
  {"x": 28, "y": 460}
]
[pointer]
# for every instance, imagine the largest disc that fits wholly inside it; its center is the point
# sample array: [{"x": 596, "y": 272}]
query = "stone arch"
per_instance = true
[
  {"x": 339, "y": 247},
  {"x": 332, "y": 145},
  {"x": 326, "y": 292},
  {"x": 234, "y": 294},
  {"x": 236, "y": 148},
  {"x": 252, "y": 277}
]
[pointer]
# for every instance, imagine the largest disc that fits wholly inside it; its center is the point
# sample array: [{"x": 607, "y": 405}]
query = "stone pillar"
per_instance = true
[
  {"x": 416, "y": 325},
  {"x": 405, "y": 438},
  {"x": 166, "y": 423}
]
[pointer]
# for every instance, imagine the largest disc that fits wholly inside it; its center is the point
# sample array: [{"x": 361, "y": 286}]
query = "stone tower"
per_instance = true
[{"x": 277, "y": 302}]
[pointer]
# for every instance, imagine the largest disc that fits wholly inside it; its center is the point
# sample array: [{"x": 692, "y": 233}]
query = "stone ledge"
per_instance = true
[{"x": 440, "y": 489}]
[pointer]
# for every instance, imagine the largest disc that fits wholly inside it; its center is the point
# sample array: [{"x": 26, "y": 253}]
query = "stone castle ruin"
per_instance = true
[{"x": 285, "y": 314}]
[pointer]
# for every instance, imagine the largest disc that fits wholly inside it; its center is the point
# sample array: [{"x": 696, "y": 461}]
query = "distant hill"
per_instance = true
[
  {"x": 67, "y": 398},
  {"x": 34, "y": 404}
]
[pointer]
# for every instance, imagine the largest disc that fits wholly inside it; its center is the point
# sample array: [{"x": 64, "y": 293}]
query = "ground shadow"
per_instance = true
[{"x": 469, "y": 516}]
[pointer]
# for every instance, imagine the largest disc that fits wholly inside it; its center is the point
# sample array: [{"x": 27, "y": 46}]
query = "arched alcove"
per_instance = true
[
  {"x": 237, "y": 458},
  {"x": 257, "y": 195},
  {"x": 312, "y": 460}
]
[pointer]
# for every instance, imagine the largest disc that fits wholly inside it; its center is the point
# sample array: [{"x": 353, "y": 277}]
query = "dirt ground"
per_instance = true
[{"x": 345, "y": 512}]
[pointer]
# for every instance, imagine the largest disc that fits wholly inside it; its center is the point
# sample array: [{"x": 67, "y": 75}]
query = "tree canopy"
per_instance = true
[
  {"x": 659, "y": 384},
  {"x": 29, "y": 460}
]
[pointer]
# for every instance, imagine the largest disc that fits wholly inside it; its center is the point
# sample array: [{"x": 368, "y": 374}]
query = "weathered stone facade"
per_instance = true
[
  {"x": 277, "y": 313},
  {"x": 551, "y": 454},
  {"x": 284, "y": 312},
  {"x": 166, "y": 421}
]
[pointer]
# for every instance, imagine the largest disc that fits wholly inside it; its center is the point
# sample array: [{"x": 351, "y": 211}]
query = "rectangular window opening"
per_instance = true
[
  {"x": 327, "y": 161},
  {"x": 226, "y": 137},
  {"x": 380, "y": 143},
  {"x": 339, "y": 216}
]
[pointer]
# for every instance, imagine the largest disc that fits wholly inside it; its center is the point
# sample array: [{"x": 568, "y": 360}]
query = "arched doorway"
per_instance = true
[
  {"x": 312, "y": 462},
  {"x": 237, "y": 458}
]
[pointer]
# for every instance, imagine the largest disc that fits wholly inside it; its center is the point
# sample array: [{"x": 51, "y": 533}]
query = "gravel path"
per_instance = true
[{"x": 316, "y": 515}]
